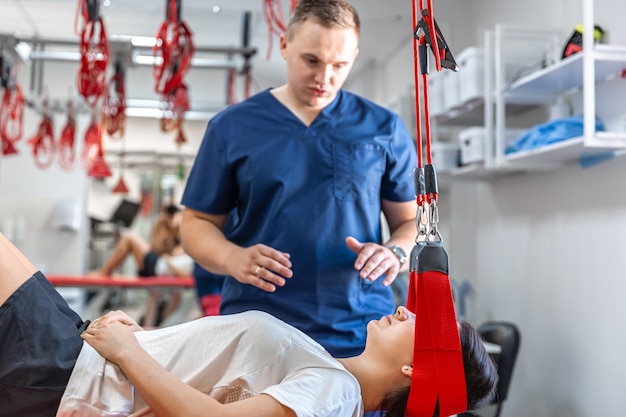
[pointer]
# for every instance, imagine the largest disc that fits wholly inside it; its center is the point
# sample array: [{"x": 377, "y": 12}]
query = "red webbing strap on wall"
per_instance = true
[{"x": 438, "y": 374}]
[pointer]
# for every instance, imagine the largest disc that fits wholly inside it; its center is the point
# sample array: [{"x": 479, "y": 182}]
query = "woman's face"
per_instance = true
[{"x": 392, "y": 336}]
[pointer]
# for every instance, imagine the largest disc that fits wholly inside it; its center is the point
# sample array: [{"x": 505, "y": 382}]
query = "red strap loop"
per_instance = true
[
  {"x": 11, "y": 119},
  {"x": 94, "y": 61},
  {"x": 67, "y": 152},
  {"x": 43, "y": 143},
  {"x": 114, "y": 107},
  {"x": 174, "y": 44},
  {"x": 438, "y": 374}
]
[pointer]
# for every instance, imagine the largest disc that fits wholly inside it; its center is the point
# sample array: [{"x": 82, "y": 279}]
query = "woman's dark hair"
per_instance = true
[
  {"x": 329, "y": 13},
  {"x": 481, "y": 376}
]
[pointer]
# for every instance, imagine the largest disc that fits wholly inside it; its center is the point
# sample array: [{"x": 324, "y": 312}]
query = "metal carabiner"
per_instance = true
[{"x": 433, "y": 219}]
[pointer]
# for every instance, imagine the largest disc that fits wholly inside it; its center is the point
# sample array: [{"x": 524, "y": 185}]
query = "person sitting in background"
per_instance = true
[
  {"x": 162, "y": 256},
  {"x": 245, "y": 364},
  {"x": 164, "y": 240}
]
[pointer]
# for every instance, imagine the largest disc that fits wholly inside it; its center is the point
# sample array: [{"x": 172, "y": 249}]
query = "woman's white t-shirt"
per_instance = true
[{"x": 228, "y": 357}]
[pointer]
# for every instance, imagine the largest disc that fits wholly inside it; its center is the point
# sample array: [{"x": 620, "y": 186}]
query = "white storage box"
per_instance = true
[
  {"x": 471, "y": 62},
  {"x": 451, "y": 92},
  {"x": 445, "y": 155},
  {"x": 472, "y": 143},
  {"x": 435, "y": 93}
]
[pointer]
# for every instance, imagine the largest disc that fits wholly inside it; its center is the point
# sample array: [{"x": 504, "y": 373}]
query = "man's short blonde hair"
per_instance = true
[{"x": 329, "y": 13}]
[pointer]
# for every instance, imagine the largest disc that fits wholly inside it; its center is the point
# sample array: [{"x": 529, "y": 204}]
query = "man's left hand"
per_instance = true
[{"x": 374, "y": 260}]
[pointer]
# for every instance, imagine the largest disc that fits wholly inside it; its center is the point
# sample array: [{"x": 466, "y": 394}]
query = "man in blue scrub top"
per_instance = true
[{"x": 308, "y": 168}]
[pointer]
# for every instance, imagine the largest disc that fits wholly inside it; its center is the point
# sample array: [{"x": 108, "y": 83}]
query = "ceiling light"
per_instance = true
[
  {"x": 196, "y": 62},
  {"x": 217, "y": 9},
  {"x": 145, "y": 41}
]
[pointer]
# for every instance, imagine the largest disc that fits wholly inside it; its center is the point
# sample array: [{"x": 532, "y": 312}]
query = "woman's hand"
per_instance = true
[
  {"x": 114, "y": 340},
  {"x": 117, "y": 316}
]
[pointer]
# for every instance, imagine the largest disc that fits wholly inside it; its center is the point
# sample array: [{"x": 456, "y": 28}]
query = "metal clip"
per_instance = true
[
  {"x": 433, "y": 220},
  {"x": 421, "y": 221}
]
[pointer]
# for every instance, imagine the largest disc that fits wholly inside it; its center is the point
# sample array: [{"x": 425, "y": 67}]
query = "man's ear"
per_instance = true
[
  {"x": 283, "y": 45},
  {"x": 407, "y": 370}
]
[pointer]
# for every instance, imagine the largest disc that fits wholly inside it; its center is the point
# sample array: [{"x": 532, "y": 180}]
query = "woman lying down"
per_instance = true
[{"x": 247, "y": 364}]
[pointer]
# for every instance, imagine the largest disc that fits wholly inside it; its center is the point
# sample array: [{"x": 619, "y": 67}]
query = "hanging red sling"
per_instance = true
[{"x": 438, "y": 381}]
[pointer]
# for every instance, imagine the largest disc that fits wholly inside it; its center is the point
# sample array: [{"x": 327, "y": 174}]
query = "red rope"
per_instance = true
[
  {"x": 94, "y": 62},
  {"x": 43, "y": 141},
  {"x": 91, "y": 145},
  {"x": 429, "y": 154},
  {"x": 418, "y": 109},
  {"x": 176, "y": 48},
  {"x": 66, "y": 149},
  {"x": 114, "y": 107}
]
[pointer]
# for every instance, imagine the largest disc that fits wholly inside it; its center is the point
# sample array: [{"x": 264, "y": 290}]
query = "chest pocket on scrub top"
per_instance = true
[{"x": 358, "y": 168}]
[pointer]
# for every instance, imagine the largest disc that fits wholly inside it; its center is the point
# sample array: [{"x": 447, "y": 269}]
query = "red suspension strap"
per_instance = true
[
  {"x": 93, "y": 151},
  {"x": 43, "y": 141},
  {"x": 438, "y": 382},
  {"x": 66, "y": 149},
  {"x": 175, "y": 48},
  {"x": 114, "y": 104},
  {"x": 11, "y": 119},
  {"x": 94, "y": 53},
  {"x": 172, "y": 51}
]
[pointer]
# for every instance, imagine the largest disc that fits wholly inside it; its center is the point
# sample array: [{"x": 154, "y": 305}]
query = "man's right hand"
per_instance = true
[{"x": 261, "y": 266}]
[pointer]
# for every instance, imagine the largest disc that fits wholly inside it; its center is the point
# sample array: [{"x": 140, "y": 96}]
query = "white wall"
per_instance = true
[
  {"x": 28, "y": 197},
  {"x": 544, "y": 250}
]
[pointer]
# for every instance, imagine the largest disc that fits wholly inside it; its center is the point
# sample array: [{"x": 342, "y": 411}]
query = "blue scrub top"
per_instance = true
[{"x": 303, "y": 190}]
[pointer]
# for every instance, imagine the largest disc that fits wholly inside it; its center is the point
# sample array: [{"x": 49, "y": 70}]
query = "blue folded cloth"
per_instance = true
[{"x": 551, "y": 132}]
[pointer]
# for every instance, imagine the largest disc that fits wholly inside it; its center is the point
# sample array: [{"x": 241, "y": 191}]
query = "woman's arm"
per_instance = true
[{"x": 167, "y": 395}]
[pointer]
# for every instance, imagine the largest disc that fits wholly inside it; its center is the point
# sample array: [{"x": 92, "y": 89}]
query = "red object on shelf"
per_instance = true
[{"x": 120, "y": 187}]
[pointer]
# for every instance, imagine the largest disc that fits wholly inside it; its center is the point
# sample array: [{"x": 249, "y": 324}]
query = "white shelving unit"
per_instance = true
[
  {"x": 507, "y": 97},
  {"x": 582, "y": 72},
  {"x": 566, "y": 75}
]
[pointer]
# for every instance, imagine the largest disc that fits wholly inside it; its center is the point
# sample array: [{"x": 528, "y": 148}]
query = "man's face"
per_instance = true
[{"x": 319, "y": 60}]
